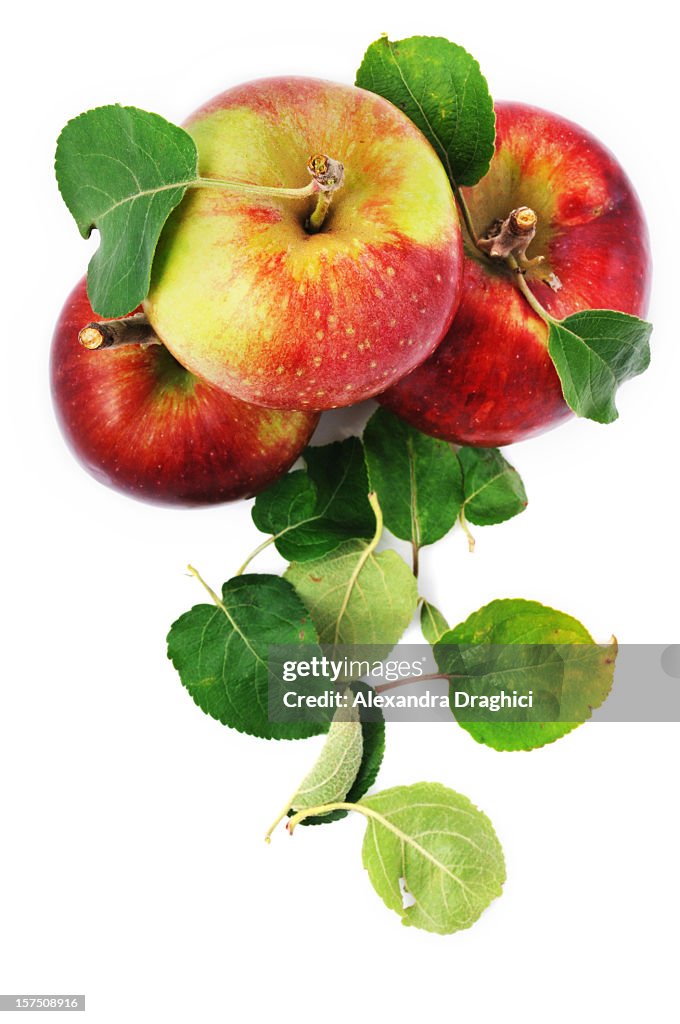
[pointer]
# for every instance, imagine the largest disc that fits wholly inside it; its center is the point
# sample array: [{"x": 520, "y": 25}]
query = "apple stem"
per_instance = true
[
  {"x": 512, "y": 236},
  {"x": 327, "y": 175},
  {"x": 130, "y": 330}
]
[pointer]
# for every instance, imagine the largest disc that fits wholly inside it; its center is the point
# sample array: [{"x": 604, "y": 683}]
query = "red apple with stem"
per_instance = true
[
  {"x": 294, "y": 305},
  {"x": 491, "y": 381},
  {"x": 141, "y": 423}
]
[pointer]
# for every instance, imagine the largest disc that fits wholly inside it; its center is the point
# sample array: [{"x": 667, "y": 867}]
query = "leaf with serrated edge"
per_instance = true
[
  {"x": 310, "y": 513},
  {"x": 355, "y": 596},
  {"x": 123, "y": 170},
  {"x": 221, "y": 653},
  {"x": 333, "y": 774},
  {"x": 417, "y": 478},
  {"x": 373, "y": 741},
  {"x": 595, "y": 351},
  {"x": 441, "y": 88},
  {"x": 493, "y": 489},
  {"x": 568, "y": 682},
  {"x": 440, "y": 847},
  {"x": 432, "y": 622}
]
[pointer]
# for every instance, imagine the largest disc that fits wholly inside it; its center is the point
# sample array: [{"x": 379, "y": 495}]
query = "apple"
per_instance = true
[
  {"x": 247, "y": 298},
  {"x": 141, "y": 423},
  {"x": 491, "y": 381}
]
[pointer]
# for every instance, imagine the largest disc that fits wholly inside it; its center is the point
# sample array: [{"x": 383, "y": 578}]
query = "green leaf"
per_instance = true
[
  {"x": 123, "y": 170},
  {"x": 522, "y": 645},
  {"x": 417, "y": 478},
  {"x": 440, "y": 87},
  {"x": 493, "y": 489},
  {"x": 432, "y": 623},
  {"x": 221, "y": 653},
  {"x": 594, "y": 352},
  {"x": 356, "y": 596},
  {"x": 373, "y": 737},
  {"x": 310, "y": 513},
  {"x": 440, "y": 847},
  {"x": 337, "y": 766}
]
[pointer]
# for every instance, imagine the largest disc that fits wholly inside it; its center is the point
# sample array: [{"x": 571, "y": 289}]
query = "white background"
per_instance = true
[{"x": 132, "y": 865}]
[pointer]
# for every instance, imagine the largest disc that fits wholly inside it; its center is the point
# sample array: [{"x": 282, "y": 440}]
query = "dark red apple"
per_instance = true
[
  {"x": 491, "y": 381},
  {"x": 141, "y": 423}
]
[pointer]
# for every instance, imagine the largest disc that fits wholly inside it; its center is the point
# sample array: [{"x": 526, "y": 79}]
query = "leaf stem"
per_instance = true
[
  {"x": 280, "y": 817},
  {"x": 466, "y": 530},
  {"x": 412, "y": 679},
  {"x": 416, "y": 560},
  {"x": 216, "y": 600},
  {"x": 253, "y": 554},
  {"x": 526, "y": 291},
  {"x": 340, "y": 805},
  {"x": 466, "y": 215},
  {"x": 365, "y": 555}
]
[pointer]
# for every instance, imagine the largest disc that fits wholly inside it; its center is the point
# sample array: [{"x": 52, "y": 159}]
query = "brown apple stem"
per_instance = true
[
  {"x": 512, "y": 237},
  {"x": 131, "y": 330},
  {"x": 329, "y": 176}
]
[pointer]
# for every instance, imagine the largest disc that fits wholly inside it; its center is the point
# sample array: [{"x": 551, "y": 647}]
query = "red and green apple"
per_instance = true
[
  {"x": 247, "y": 298},
  {"x": 492, "y": 381},
  {"x": 141, "y": 423}
]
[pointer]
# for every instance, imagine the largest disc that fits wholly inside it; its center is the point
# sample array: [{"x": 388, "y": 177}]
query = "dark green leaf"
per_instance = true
[
  {"x": 493, "y": 489},
  {"x": 440, "y": 87},
  {"x": 373, "y": 735},
  {"x": 516, "y": 645},
  {"x": 310, "y": 513},
  {"x": 432, "y": 623},
  {"x": 440, "y": 848},
  {"x": 417, "y": 478},
  {"x": 123, "y": 170},
  {"x": 594, "y": 352},
  {"x": 221, "y": 653}
]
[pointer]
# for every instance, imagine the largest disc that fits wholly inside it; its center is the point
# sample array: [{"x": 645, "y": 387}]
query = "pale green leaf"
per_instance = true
[
  {"x": 431, "y": 856},
  {"x": 356, "y": 596},
  {"x": 337, "y": 766}
]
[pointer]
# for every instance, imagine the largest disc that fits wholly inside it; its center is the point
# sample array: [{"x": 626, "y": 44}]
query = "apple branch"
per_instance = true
[{"x": 131, "y": 330}]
